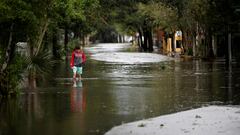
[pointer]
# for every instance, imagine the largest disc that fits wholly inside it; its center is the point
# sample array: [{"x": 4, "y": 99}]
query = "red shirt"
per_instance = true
[{"x": 78, "y": 53}]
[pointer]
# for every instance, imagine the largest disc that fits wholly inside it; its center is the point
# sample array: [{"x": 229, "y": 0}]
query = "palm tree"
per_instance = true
[{"x": 38, "y": 64}]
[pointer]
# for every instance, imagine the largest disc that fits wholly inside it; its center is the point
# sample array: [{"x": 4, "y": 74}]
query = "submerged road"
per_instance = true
[{"x": 114, "y": 92}]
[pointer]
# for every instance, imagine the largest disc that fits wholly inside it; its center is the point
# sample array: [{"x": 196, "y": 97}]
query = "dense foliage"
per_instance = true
[{"x": 39, "y": 24}]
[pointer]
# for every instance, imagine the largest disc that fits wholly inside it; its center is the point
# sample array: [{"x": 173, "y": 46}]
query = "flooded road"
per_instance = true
[{"x": 113, "y": 93}]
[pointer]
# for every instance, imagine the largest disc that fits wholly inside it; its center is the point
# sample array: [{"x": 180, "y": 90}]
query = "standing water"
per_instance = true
[{"x": 118, "y": 88}]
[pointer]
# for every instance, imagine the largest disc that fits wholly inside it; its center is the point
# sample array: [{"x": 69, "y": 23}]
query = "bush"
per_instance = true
[{"x": 11, "y": 77}]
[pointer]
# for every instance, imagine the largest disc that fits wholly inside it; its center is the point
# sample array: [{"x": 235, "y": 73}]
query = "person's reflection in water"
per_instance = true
[{"x": 78, "y": 97}]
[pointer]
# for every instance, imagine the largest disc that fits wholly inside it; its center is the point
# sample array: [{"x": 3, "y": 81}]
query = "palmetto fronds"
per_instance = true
[{"x": 40, "y": 63}]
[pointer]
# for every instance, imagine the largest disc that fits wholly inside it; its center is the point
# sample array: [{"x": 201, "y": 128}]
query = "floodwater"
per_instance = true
[{"x": 115, "y": 93}]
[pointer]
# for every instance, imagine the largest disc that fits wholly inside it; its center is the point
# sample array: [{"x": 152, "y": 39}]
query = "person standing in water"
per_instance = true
[{"x": 77, "y": 60}]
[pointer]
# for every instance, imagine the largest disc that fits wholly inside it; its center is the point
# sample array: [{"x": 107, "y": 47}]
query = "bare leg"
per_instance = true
[
  {"x": 79, "y": 77},
  {"x": 74, "y": 76},
  {"x": 74, "y": 73}
]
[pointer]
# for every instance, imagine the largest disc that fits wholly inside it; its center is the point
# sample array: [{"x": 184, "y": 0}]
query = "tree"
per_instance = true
[
  {"x": 26, "y": 20},
  {"x": 14, "y": 15},
  {"x": 157, "y": 15}
]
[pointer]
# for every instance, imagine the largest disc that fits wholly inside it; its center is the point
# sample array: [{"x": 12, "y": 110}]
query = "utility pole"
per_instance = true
[{"x": 229, "y": 47}]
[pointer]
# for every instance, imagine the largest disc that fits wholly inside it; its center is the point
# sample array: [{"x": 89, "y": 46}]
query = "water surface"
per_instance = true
[{"x": 112, "y": 94}]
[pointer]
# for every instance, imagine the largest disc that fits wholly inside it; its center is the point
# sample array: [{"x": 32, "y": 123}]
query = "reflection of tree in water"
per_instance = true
[
  {"x": 32, "y": 105},
  {"x": 33, "y": 109},
  {"x": 8, "y": 115},
  {"x": 229, "y": 83},
  {"x": 13, "y": 111},
  {"x": 78, "y": 97}
]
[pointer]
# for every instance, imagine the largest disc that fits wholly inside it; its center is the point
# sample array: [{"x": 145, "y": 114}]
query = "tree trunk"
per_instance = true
[
  {"x": 4, "y": 73},
  {"x": 145, "y": 35},
  {"x": 145, "y": 43},
  {"x": 194, "y": 45},
  {"x": 76, "y": 34},
  {"x": 229, "y": 58},
  {"x": 210, "y": 52},
  {"x": 55, "y": 47},
  {"x": 8, "y": 51},
  {"x": 66, "y": 38},
  {"x": 150, "y": 40},
  {"x": 35, "y": 47},
  {"x": 32, "y": 80},
  {"x": 43, "y": 30},
  {"x": 121, "y": 39},
  {"x": 124, "y": 41},
  {"x": 185, "y": 41},
  {"x": 140, "y": 39}
]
